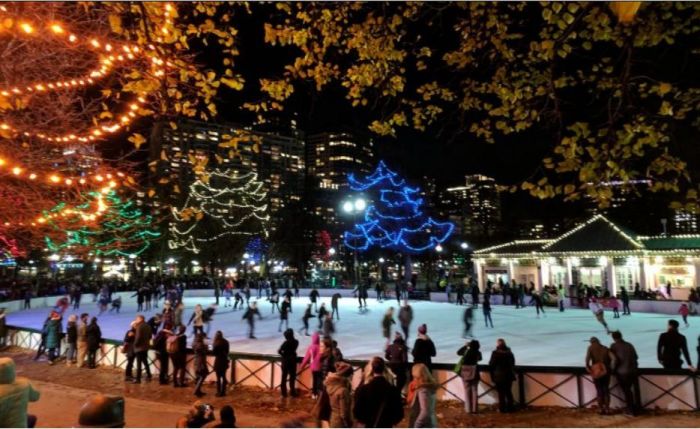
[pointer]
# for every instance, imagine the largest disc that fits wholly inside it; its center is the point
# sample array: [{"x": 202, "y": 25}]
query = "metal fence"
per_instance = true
[{"x": 570, "y": 387}]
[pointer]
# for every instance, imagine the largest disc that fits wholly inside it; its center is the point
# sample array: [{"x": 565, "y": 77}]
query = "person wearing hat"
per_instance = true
[
  {"x": 15, "y": 395},
  {"x": 502, "y": 369},
  {"x": 599, "y": 361},
  {"x": 102, "y": 411},
  {"x": 423, "y": 347},
  {"x": 288, "y": 352},
  {"x": 469, "y": 372},
  {"x": 338, "y": 388}
]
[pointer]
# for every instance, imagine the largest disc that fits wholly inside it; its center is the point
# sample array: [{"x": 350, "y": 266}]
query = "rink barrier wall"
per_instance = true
[{"x": 551, "y": 386}]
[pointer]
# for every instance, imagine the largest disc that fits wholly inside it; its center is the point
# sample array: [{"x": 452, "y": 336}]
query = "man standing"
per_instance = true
[
  {"x": 82, "y": 339},
  {"x": 670, "y": 346},
  {"x": 625, "y": 298},
  {"x": 626, "y": 371},
  {"x": 378, "y": 403},
  {"x": 142, "y": 341}
]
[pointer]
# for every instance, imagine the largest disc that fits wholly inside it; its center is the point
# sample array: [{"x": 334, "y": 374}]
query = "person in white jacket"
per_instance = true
[{"x": 15, "y": 395}]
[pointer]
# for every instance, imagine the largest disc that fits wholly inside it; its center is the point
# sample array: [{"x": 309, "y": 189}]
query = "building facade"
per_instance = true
[
  {"x": 596, "y": 253},
  {"x": 475, "y": 206}
]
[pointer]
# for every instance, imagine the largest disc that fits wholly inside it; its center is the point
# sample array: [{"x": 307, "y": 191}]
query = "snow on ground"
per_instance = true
[{"x": 559, "y": 339}]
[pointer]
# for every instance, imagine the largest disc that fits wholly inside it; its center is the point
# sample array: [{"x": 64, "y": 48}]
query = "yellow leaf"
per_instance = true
[
  {"x": 137, "y": 139},
  {"x": 199, "y": 216},
  {"x": 151, "y": 192},
  {"x": 664, "y": 88},
  {"x": 236, "y": 84}
]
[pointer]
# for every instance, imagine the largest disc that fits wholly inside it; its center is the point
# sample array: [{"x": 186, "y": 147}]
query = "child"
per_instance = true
[
  {"x": 613, "y": 303},
  {"x": 238, "y": 301},
  {"x": 116, "y": 304},
  {"x": 683, "y": 311}
]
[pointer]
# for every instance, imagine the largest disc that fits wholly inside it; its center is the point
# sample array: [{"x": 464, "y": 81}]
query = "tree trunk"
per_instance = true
[{"x": 407, "y": 269}]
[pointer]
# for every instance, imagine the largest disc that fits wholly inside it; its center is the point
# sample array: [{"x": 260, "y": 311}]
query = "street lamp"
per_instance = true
[
  {"x": 438, "y": 248},
  {"x": 353, "y": 207},
  {"x": 331, "y": 251},
  {"x": 464, "y": 246}
]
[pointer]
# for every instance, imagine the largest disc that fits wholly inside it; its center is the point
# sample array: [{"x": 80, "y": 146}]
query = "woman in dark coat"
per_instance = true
[
  {"x": 94, "y": 340},
  {"x": 502, "y": 368},
  {"x": 53, "y": 335},
  {"x": 178, "y": 357},
  {"x": 288, "y": 351},
  {"x": 221, "y": 350},
  {"x": 199, "y": 348}
]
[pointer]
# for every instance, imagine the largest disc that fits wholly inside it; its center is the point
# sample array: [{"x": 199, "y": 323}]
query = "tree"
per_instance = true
[
  {"x": 219, "y": 204},
  {"x": 104, "y": 224},
  {"x": 578, "y": 75},
  {"x": 322, "y": 246},
  {"x": 394, "y": 220}
]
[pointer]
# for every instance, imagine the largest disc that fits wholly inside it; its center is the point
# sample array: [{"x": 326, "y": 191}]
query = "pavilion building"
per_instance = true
[{"x": 597, "y": 253}]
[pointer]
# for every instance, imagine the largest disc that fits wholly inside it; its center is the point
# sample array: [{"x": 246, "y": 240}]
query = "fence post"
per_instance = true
[
  {"x": 272, "y": 374},
  {"x": 233, "y": 371},
  {"x": 697, "y": 393},
  {"x": 521, "y": 388},
  {"x": 579, "y": 390}
]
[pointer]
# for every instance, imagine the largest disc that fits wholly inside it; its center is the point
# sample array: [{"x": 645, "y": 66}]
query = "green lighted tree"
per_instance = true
[{"x": 104, "y": 224}]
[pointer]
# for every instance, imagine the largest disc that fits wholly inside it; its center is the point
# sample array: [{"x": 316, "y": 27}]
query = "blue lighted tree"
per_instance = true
[{"x": 394, "y": 220}]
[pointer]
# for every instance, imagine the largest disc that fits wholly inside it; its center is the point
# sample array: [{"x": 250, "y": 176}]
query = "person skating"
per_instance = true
[
  {"x": 626, "y": 366},
  {"x": 220, "y": 349},
  {"x": 139, "y": 299},
  {"x": 238, "y": 303},
  {"x": 305, "y": 318},
  {"x": 598, "y": 312},
  {"x": 197, "y": 318},
  {"x": 94, "y": 341},
  {"x": 334, "y": 304},
  {"x": 537, "y": 298},
  {"x": 288, "y": 352},
  {"x": 615, "y": 306},
  {"x": 328, "y": 326},
  {"x": 502, "y": 369},
  {"x": 142, "y": 341},
  {"x": 423, "y": 348},
  {"x": 313, "y": 297},
  {"x": 228, "y": 293},
  {"x": 387, "y": 323},
  {"x": 486, "y": 308},
  {"x": 288, "y": 294},
  {"x": 208, "y": 317},
  {"x": 274, "y": 301},
  {"x": 199, "y": 349},
  {"x": 598, "y": 364},
  {"x": 378, "y": 291},
  {"x": 284, "y": 314},
  {"x": 397, "y": 359},
  {"x": 561, "y": 297},
  {"x": 116, "y": 304},
  {"x": 625, "y": 298},
  {"x": 683, "y": 311},
  {"x": 322, "y": 312},
  {"x": 671, "y": 346},
  {"x": 249, "y": 316},
  {"x": 470, "y": 356},
  {"x": 313, "y": 358},
  {"x": 475, "y": 295},
  {"x": 405, "y": 318},
  {"x": 468, "y": 319}
]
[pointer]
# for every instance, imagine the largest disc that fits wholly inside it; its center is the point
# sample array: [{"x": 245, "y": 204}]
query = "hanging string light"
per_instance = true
[{"x": 19, "y": 171}]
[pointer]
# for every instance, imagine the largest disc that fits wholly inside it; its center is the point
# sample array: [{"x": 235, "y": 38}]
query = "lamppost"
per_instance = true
[{"x": 353, "y": 208}]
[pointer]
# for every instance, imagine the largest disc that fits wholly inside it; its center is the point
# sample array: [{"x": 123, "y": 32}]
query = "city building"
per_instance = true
[
  {"x": 277, "y": 159},
  {"x": 330, "y": 157},
  {"x": 476, "y": 206},
  {"x": 597, "y": 253},
  {"x": 685, "y": 222}
]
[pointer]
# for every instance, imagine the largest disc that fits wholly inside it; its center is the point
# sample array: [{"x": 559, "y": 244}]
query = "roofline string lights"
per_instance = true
[
  {"x": 21, "y": 172},
  {"x": 112, "y": 53},
  {"x": 405, "y": 228}
]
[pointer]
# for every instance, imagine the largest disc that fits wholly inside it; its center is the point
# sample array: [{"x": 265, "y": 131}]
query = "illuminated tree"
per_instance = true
[
  {"x": 104, "y": 224},
  {"x": 322, "y": 246},
  {"x": 394, "y": 220},
  {"x": 219, "y": 205}
]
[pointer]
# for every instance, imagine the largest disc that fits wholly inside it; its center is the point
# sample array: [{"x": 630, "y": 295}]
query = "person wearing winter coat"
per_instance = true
[
  {"x": 387, "y": 321},
  {"x": 198, "y": 319},
  {"x": 72, "y": 339},
  {"x": 486, "y": 308},
  {"x": 423, "y": 348},
  {"x": 671, "y": 346},
  {"x": 82, "y": 339},
  {"x": 94, "y": 341},
  {"x": 471, "y": 356},
  {"x": 221, "y": 349},
  {"x": 334, "y": 305},
  {"x": 599, "y": 356},
  {"x": 177, "y": 314},
  {"x": 313, "y": 358},
  {"x": 423, "y": 401},
  {"x": 338, "y": 388},
  {"x": 626, "y": 367},
  {"x": 322, "y": 312},
  {"x": 405, "y": 318},
  {"x": 178, "y": 356},
  {"x": 199, "y": 348},
  {"x": 284, "y": 314},
  {"x": 397, "y": 359},
  {"x": 249, "y": 316},
  {"x": 305, "y": 319},
  {"x": 160, "y": 345},
  {"x": 328, "y": 326},
  {"x": 377, "y": 403},
  {"x": 502, "y": 369},
  {"x": 288, "y": 352},
  {"x": 3, "y": 328},
  {"x": 313, "y": 297},
  {"x": 142, "y": 342},
  {"x": 128, "y": 350},
  {"x": 15, "y": 395},
  {"x": 54, "y": 330}
]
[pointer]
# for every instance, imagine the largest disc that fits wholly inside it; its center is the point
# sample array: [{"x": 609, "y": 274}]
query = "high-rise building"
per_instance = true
[
  {"x": 476, "y": 206},
  {"x": 685, "y": 222},
  {"x": 277, "y": 159},
  {"x": 330, "y": 157}
]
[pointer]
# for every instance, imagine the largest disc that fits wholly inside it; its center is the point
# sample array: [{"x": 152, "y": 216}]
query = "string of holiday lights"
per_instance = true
[
  {"x": 226, "y": 204},
  {"x": 396, "y": 221},
  {"x": 19, "y": 171}
]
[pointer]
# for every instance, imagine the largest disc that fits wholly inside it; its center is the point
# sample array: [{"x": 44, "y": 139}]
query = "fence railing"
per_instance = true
[{"x": 570, "y": 387}]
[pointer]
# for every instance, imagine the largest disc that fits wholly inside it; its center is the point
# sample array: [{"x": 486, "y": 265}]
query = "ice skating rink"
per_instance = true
[{"x": 559, "y": 339}]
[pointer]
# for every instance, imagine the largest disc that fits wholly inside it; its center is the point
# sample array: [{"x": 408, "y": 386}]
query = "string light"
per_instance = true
[
  {"x": 238, "y": 206},
  {"x": 54, "y": 179},
  {"x": 396, "y": 221}
]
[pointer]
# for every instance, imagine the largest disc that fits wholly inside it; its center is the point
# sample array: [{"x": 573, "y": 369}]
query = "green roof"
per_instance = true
[{"x": 672, "y": 242}]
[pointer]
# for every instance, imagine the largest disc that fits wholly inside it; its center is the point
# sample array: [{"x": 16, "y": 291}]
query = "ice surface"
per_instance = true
[{"x": 554, "y": 340}]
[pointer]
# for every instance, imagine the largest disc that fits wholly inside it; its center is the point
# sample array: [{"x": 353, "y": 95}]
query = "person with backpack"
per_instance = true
[
  {"x": 599, "y": 361},
  {"x": 177, "y": 349},
  {"x": 288, "y": 352},
  {"x": 221, "y": 349},
  {"x": 470, "y": 356}
]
